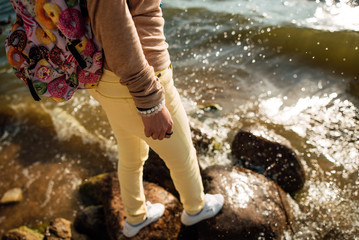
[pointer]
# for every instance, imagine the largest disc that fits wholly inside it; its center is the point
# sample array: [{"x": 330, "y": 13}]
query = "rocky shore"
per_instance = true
[{"x": 257, "y": 187}]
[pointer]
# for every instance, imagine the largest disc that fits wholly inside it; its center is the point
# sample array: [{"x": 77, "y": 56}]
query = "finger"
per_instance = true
[
  {"x": 155, "y": 136},
  {"x": 148, "y": 133},
  {"x": 162, "y": 135}
]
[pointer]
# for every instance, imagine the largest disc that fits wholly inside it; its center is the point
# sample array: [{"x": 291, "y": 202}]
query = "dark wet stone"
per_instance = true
[
  {"x": 58, "y": 229},
  {"x": 270, "y": 155},
  {"x": 91, "y": 221},
  {"x": 167, "y": 227},
  {"x": 254, "y": 207},
  {"x": 188, "y": 233},
  {"x": 201, "y": 141},
  {"x": 90, "y": 190},
  {"x": 22, "y": 233}
]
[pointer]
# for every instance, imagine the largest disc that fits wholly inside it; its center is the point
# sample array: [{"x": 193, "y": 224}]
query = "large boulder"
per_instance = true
[
  {"x": 271, "y": 155},
  {"x": 254, "y": 207},
  {"x": 167, "y": 227}
]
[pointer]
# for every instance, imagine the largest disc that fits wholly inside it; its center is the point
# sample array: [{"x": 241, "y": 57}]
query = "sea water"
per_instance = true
[{"x": 289, "y": 66}]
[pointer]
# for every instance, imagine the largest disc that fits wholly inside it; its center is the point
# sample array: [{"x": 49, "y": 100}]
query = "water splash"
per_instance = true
[
  {"x": 328, "y": 123},
  {"x": 335, "y": 16}
]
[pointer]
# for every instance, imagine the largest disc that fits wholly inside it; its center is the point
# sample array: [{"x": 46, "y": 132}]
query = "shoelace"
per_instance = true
[{"x": 148, "y": 204}]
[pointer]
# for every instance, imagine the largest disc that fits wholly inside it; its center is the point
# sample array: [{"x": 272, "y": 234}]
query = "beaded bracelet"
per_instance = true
[{"x": 151, "y": 111}]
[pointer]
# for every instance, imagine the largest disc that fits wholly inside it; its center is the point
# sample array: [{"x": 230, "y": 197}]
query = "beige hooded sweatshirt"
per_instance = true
[{"x": 131, "y": 34}]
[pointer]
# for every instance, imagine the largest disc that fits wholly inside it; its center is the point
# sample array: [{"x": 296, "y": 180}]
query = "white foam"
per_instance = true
[
  {"x": 67, "y": 126},
  {"x": 48, "y": 193},
  {"x": 335, "y": 17}
]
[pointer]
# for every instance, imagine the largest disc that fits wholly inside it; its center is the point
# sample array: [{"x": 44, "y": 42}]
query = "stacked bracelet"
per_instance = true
[{"x": 151, "y": 111}]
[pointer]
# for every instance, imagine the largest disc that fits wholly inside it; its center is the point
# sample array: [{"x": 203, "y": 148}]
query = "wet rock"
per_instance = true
[
  {"x": 12, "y": 196},
  {"x": 210, "y": 107},
  {"x": 90, "y": 190},
  {"x": 79, "y": 236},
  {"x": 271, "y": 155},
  {"x": 91, "y": 221},
  {"x": 254, "y": 207},
  {"x": 22, "y": 233},
  {"x": 188, "y": 232},
  {"x": 201, "y": 140},
  {"x": 167, "y": 227},
  {"x": 58, "y": 229}
]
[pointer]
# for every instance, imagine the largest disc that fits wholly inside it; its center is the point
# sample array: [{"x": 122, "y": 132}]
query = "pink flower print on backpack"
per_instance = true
[{"x": 52, "y": 49}]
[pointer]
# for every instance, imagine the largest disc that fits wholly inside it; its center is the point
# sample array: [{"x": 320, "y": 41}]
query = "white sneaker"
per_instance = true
[
  {"x": 214, "y": 203},
  {"x": 154, "y": 212}
]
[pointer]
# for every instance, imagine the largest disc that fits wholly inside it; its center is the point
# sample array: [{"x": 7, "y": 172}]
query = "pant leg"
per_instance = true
[
  {"x": 132, "y": 150},
  {"x": 177, "y": 152}
]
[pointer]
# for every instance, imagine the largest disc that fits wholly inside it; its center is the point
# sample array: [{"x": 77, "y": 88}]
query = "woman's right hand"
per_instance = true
[{"x": 156, "y": 126}]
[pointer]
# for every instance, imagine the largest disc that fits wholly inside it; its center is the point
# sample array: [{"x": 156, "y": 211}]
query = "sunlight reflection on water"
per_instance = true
[
  {"x": 240, "y": 194},
  {"x": 335, "y": 16},
  {"x": 328, "y": 122}
]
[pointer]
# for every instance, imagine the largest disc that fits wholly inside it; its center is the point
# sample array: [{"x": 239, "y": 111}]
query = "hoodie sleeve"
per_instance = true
[
  {"x": 114, "y": 28},
  {"x": 149, "y": 22}
]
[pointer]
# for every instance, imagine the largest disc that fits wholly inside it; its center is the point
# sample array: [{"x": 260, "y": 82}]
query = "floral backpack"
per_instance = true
[{"x": 52, "y": 49}]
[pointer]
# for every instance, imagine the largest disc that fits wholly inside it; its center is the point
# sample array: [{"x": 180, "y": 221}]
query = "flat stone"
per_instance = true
[
  {"x": 22, "y": 233},
  {"x": 11, "y": 196}
]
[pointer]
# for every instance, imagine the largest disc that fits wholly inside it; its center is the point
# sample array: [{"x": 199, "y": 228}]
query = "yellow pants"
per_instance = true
[{"x": 133, "y": 146}]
